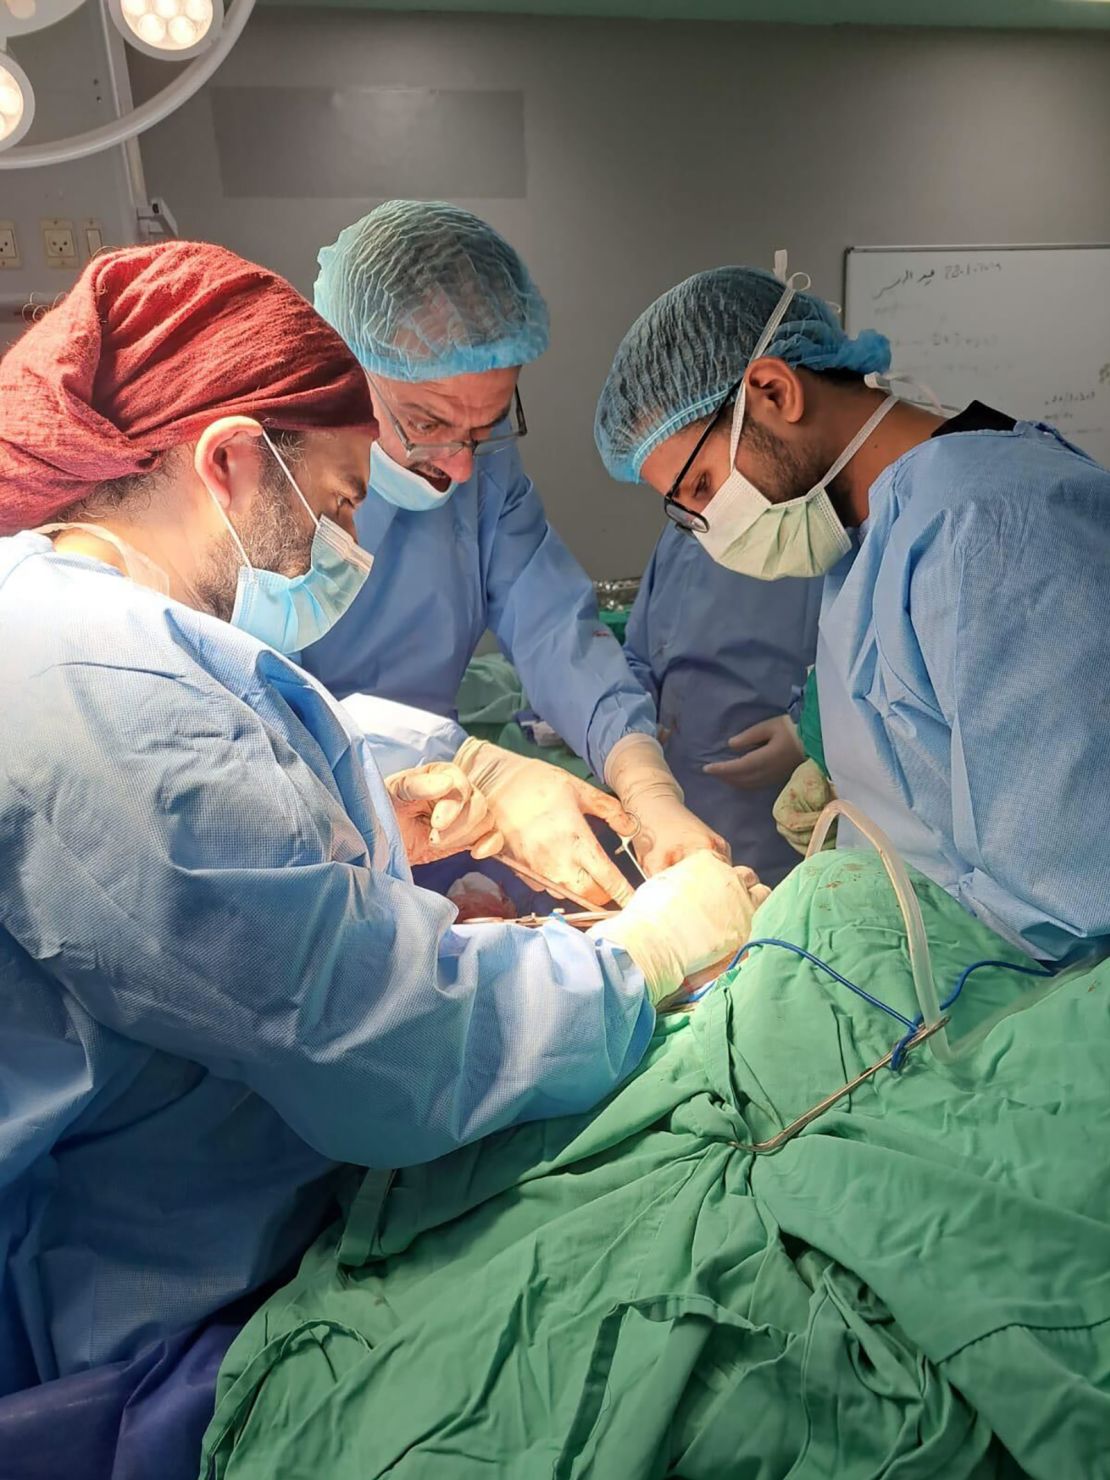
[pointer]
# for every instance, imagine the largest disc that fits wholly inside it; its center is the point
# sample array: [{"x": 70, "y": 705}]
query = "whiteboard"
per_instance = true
[{"x": 1025, "y": 329}]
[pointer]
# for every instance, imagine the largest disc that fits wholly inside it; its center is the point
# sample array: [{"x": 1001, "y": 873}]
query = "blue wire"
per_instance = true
[
  {"x": 899, "y": 1052},
  {"x": 900, "y": 1047},
  {"x": 787, "y": 945}
]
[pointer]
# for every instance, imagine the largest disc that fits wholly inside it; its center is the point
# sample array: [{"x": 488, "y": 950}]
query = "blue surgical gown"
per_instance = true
[
  {"x": 487, "y": 558},
  {"x": 963, "y": 665},
  {"x": 719, "y": 652},
  {"x": 218, "y": 978}
]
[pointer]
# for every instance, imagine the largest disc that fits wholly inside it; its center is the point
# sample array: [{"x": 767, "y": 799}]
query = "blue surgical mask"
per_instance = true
[
  {"x": 403, "y": 487},
  {"x": 292, "y": 612}
]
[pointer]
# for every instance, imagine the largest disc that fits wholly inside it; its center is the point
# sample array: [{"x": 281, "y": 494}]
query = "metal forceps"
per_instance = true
[{"x": 761, "y": 1148}]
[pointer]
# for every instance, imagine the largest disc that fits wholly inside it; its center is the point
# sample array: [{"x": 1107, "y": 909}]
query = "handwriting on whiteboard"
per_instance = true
[
  {"x": 1069, "y": 398},
  {"x": 950, "y": 339},
  {"x": 1011, "y": 327},
  {"x": 949, "y": 270},
  {"x": 1071, "y": 411}
]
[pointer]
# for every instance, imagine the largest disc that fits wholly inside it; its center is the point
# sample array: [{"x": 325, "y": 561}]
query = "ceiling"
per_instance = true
[{"x": 1010, "y": 14}]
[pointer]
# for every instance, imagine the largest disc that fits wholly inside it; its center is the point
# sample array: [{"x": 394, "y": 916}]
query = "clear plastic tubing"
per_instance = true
[{"x": 920, "y": 965}]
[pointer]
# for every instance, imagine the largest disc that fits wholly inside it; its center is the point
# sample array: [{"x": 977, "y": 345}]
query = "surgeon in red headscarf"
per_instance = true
[{"x": 219, "y": 980}]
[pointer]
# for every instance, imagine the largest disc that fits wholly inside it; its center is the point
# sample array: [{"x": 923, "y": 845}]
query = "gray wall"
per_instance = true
[
  {"x": 649, "y": 151},
  {"x": 67, "y": 67}
]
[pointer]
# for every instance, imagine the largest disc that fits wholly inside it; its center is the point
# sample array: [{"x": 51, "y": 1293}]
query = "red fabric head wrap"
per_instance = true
[{"x": 152, "y": 345}]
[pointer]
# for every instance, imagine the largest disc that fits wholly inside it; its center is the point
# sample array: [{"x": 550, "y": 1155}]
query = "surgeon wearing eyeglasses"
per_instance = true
[{"x": 441, "y": 313}]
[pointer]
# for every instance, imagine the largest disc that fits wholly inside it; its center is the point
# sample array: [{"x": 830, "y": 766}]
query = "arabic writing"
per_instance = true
[{"x": 951, "y": 271}]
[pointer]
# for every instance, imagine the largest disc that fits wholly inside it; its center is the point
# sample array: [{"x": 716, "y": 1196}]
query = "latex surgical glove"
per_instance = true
[
  {"x": 694, "y": 915},
  {"x": 800, "y": 803},
  {"x": 771, "y": 752},
  {"x": 540, "y": 812},
  {"x": 669, "y": 831},
  {"x": 440, "y": 812}
]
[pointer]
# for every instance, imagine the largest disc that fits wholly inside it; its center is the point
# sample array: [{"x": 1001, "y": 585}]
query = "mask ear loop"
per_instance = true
[
  {"x": 327, "y": 529},
  {"x": 227, "y": 520},
  {"x": 232, "y": 531},
  {"x": 737, "y": 424},
  {"x": 878, "y": 381},
  {"x": 859, "y": 439},
  {"x": 798, "y": 282},
  {"x": 284, "y": 466}
]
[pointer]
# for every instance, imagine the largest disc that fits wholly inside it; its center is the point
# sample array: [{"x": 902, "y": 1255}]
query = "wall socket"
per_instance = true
[
  {"x": 9, "y": 246},
  {"x": 94, "y": 237},
  {"x": 59, "y": 243}
]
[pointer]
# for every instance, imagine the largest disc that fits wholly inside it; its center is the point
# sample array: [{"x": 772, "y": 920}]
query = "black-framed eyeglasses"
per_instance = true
[
  {"x": 689, "y": 520},
  {"x": 476, "y": 446}
]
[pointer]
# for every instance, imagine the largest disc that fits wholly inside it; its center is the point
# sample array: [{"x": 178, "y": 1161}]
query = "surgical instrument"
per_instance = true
[
  {"x": 627, "y": 851},
  {"x": 581, "y": 920},
  {"x": 761, "y": 1148}
]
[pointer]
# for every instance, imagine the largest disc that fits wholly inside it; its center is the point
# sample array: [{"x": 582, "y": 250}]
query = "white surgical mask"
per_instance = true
[
  {"x": 403, "y": 487},
  {"x": 799, "y": 537}
]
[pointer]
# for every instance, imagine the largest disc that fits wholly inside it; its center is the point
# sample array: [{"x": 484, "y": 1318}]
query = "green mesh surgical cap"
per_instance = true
[
  {"x": 422, "y": 290},
  {"x": 685, "y": 353}
]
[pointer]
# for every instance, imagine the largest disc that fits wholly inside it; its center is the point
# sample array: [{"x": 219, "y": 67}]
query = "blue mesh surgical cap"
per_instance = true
[
  {"x": 685, "y": 353},
  {"x": 421, "y": 290}
]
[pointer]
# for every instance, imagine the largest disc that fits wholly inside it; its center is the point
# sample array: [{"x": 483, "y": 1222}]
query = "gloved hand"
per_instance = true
[
  {"x": 800, "y": 803},
  {"x": 669, "y": 831},
  {"x": 440, "y": 812},
  {"x": 696, "y": 914},
  {"x": 772, "y": 751},
  {"x": 541, "y": 814}
]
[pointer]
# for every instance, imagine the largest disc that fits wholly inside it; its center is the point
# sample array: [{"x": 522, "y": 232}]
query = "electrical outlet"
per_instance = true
[
  {"x": 9, "y": 245},
  {"x": 94, "y": 237},
  {"x": 60, "y": 243}
]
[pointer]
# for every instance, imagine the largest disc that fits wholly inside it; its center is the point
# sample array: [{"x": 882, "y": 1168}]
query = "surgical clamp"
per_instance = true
[{"x": 761, "y": 1148}]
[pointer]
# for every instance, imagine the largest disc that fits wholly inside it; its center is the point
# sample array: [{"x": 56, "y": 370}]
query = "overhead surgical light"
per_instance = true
[
  {"x": 21, "y": 17},
  {"x": 17, "y": 101},
  {"x": 177, "y": 29},
  {"x": 193, "y": 31}
]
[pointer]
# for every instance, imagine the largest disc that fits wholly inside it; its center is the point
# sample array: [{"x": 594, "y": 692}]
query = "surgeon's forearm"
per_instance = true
[{"x": 496, "y": 1026}]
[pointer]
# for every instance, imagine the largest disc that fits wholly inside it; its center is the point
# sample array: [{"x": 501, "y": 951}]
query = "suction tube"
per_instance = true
[{"x": 920, "y": 965}]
